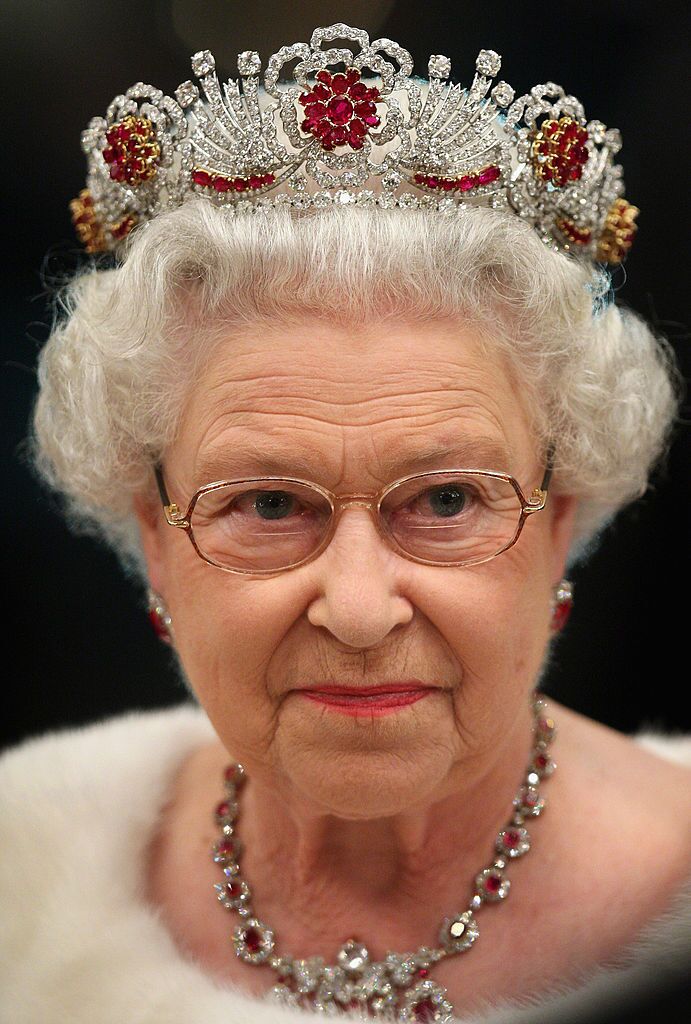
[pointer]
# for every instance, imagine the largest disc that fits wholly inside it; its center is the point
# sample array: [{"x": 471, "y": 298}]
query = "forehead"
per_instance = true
[{"x": 317, "y": 389}]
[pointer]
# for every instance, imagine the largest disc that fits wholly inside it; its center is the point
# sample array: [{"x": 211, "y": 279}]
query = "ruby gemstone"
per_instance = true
[
  {"x": 222, "y": 184},
  {"x": 253, "y": 940},
  {"x": 561, "y": 614},
  {"x": 233, "y": 889},
  {"x": 511, "y": 839},
  {"x": 359, "y": 91},
  {"x": 488, "y": 174},
  {"x": 340, "y": 110},
  {"x": 363, "y": 109},
  {"x": 255, "y": 181},
  {"x": 202, "y": 178},
  {"x": 226, "y": 847},
  {"x": 541, "y": 760},
  {"x": 339, "y": 84},
  {"x": 122, "y": 229},
  {"x": 493, "y": 883},
  {"x": 317, "y": 111},
  {"x": 223, "y": 809},
  {"x": 323, "y": 76},
  {"x": 424, "y": 1011}
]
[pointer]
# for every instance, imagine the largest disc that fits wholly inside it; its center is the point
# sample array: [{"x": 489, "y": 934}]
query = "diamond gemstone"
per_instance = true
[
  {"x": 186, "y": 94},
  {"x": 391, "y": 180},
  {"x": 353, "y": 956},
  {"x": 488, "y": 63},
  {"x": 439, "y": 66},
  {"x": 249, "y": 62},
  {"x": 203, "y": 63},
  {"x": 502, "y": 94}
]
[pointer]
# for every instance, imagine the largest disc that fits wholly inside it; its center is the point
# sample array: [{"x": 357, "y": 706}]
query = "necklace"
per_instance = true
[{"x": 397, "y": 988}]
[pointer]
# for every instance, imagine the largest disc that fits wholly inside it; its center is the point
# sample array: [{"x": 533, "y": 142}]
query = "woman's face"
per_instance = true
[{"x": 349, "y": 410}]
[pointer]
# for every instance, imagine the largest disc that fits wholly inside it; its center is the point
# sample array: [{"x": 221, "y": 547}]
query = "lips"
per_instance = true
[{"x": 365, "y": 691}]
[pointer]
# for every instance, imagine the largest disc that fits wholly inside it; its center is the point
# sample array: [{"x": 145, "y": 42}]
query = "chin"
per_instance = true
[{"x": 363, "y": 783}]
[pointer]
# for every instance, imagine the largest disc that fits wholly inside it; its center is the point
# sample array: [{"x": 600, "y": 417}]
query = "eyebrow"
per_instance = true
[{"x": 255, "y": 459}]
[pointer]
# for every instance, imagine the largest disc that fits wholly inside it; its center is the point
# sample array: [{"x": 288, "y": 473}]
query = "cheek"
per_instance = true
[
  {"x": 226, "y": 632},
  {"x": 496, "y": 617}
]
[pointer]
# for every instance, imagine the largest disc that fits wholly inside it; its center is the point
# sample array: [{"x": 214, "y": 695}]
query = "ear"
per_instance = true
[
  {"x": 563, "y": 516},
  {"x": 150, "y": 520}
]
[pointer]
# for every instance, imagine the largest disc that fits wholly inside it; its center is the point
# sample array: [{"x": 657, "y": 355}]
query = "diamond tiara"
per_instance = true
[{"x": 333, "y": 134}]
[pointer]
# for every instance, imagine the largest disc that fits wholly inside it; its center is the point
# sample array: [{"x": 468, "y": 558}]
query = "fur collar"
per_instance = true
[{"x": 78, "y": 945}]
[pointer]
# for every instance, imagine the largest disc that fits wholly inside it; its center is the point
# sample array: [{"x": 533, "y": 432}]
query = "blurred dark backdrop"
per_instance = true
[{"x": 77, "y": 634}]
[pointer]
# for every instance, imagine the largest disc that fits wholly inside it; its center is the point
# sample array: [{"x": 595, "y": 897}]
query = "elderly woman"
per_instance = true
[{"x": 351, "y": 447}]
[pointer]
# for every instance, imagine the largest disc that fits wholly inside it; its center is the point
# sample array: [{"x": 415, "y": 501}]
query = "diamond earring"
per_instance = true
[
  {"x": 159, "y": 617},
  {"x": 561, "y": 605}
]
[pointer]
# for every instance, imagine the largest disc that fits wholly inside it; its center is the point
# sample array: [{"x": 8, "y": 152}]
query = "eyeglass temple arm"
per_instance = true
[
  {"x": 173, "y": 514},
  {"x": 539, "y": 495}
]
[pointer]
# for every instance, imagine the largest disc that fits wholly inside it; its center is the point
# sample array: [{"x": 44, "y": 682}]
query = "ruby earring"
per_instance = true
[
  {"x": 561, "y": 605},
  {"x": 159, "y": 617}
]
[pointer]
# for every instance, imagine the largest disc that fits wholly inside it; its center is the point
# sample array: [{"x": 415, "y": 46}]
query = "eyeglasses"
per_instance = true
[{"x": 448, "y": 517}]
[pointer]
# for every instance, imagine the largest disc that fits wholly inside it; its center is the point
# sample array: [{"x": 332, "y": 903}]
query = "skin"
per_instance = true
[{"x": 376, "y": 827}]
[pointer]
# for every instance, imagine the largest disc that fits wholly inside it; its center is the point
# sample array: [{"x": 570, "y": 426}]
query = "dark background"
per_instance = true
[{"x": 76, "y": 627}]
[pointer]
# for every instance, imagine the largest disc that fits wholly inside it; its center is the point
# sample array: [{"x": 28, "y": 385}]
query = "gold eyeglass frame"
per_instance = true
[{"x": 338, "y": 503}]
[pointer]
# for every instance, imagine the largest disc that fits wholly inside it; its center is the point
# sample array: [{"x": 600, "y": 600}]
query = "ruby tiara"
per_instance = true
[{"x": 333, "y": 135}]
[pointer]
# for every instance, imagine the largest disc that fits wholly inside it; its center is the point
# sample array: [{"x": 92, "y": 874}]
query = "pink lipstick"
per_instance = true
[{"x": 368, "y": 700}]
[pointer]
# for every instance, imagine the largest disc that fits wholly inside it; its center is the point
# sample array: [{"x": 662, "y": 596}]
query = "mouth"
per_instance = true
[{"x": 369, "y": 700}]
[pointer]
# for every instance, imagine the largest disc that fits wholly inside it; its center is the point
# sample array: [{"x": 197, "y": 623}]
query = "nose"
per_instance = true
[{"x": 359, "y": 578}]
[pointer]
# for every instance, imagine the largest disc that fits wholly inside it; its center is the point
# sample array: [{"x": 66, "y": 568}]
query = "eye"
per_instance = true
[
  {"x": 267, "y": 505},
  {"x": 447, "y": 500},
  {"x": 443, "y": 501}
]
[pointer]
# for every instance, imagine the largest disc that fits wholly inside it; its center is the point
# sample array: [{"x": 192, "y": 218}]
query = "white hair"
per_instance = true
[{"x": 129, "y": 341}]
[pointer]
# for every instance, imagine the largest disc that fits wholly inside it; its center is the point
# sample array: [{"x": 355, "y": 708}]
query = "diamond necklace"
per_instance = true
[{"x": 397, "y": 988}]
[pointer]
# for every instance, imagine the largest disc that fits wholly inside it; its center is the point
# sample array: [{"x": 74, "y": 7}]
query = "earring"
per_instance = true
[
  {"x": 561, "y": 605},
  {"x": 159, "y": 617}
]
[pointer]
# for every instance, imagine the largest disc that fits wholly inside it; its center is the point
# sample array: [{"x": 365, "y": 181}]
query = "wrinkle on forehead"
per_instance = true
[{"x": 323, "y": 391}]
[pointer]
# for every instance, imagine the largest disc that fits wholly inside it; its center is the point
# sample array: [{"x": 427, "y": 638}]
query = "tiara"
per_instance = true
[{"x": 356, "y": 128}]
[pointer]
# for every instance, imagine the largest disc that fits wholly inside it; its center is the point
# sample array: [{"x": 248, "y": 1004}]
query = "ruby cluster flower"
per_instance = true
[
  {"x": 340, "y": 109},
  {"x": 559, "y": 153},
  {"x": 132, "y": 151}
]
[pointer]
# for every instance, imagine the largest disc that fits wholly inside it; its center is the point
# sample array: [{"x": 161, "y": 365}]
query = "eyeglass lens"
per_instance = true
[{"x": 273, "y": 524}]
